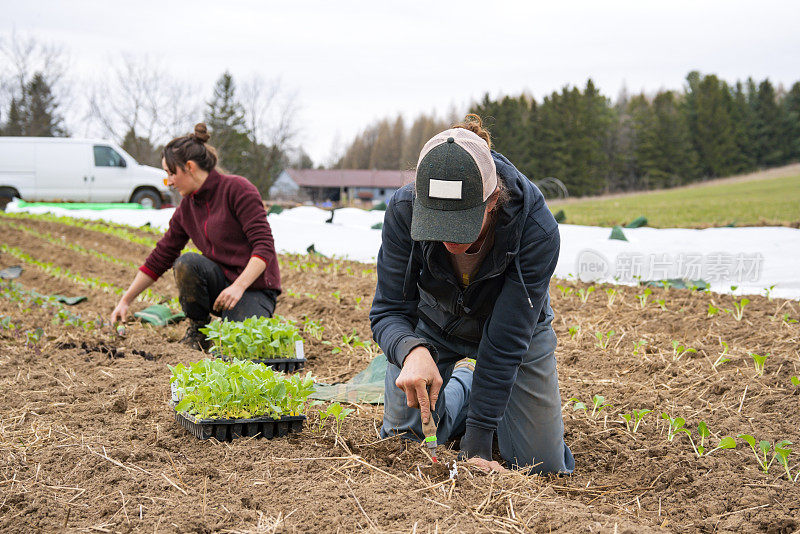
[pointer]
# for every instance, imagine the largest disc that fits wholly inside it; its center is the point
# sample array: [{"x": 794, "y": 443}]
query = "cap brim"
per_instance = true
[{"x": 461, "y": 227}]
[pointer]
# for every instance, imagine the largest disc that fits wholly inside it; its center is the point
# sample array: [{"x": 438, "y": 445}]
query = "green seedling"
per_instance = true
[
  {"x": 612, "y": 294},
  {"x": 578, "y": 404},
  {"x": 796, "y": 381},
  {"x": 762, "y": 450},
  {"x": 34, "y": 336},
  {"x": 598, "y": 404},
  {"x": 338, "y": 413},
  {"x": 583, "y": 294},
  {"x": 703, "y": 432},
  {"x": 666, "y": 284},
  {"x": 311, "y": 296},
  {"x": 637, "y": 346},
  {"x": 738, "y": 310},
  {"x": 565, "y": 290},
  {"x": 358, "y": 302},
  {"x": 313, "y": 328},
  {"x": 643, "y": 297},
  {"x": 662, "y": 303},
  {"x": 574, "y": 331},
  {"x": 6, "y": 324},
  {"x": 634, "y": 419},
  {"x": 787, "y": 321},
  {"x": 712, "y": 310},
  {"x": 679, "y": 350},
  {"x": 758, "y": 362},
  {"x": 352, "y": 339},
  {"x": 337, "y": 295},
  {"x": 675, "y": 426},
  {"x": 782, "y": 451},
  {"x": 768, "y": 292},
  {"x": 721, "y": 358},
  {"x": 603, "y": 339}
]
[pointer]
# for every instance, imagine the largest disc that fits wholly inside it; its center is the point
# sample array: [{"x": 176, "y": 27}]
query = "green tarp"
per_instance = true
[
  {"x": 616, "y": 233},
  {"x": 638, "y": 222},
  {"x": 159, "y": 315},
  {"x": 83, "y": 205},
  {"x": 364, "y": 388}
]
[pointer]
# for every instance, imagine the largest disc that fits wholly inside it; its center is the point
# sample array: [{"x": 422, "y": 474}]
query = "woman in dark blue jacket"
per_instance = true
[{"x": 462, "y": 306}]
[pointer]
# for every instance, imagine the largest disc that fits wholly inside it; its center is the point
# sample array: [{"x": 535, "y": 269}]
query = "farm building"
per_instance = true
[{"x": 338, "y": 185}]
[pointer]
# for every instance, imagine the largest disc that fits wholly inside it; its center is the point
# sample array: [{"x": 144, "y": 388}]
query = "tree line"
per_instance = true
[
  {"x": 141, "y": 106},
  {"x": 708, "y": 129}
]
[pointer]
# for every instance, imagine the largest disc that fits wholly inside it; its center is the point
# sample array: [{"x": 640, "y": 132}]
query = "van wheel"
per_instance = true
[
  {"x": 147, "y": 198},
  {"x": 7, "y": 194}
]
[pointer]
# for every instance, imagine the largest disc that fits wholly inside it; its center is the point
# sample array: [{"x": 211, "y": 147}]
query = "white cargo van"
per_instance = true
[{"x": 78, "y": 170}]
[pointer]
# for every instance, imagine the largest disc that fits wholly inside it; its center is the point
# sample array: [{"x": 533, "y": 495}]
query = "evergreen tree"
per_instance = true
[
  {"x": 15, "y": 125},
  {"x": 767, "y": 140},
  {"x": 226, "y": 122},
  {"x": 708, "y": 105},
  {"x": 141, "y": 149},
  {"x": 791, "y": 122},
  {"x": 743, "y": 123}
]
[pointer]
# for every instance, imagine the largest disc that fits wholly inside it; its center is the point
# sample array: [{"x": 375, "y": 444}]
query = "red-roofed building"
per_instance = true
[{"x": 338, "y": 185}]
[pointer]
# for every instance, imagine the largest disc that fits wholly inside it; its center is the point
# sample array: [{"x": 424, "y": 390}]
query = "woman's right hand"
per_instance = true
[
  {"x": 420, "y": 372},
  {"x": 120, "y": 312}
]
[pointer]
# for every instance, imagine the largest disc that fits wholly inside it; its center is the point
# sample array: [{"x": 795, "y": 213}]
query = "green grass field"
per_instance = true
[{"x": 757, "y": 201}]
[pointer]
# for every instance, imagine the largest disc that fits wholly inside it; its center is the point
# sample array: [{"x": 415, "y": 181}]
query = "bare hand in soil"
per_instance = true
[
  {"x": 487, "y": 466},
  {"x": 228, "y": 298},
  {"x": 418, "y": 374},
  {"x": 120, "y": 312}
]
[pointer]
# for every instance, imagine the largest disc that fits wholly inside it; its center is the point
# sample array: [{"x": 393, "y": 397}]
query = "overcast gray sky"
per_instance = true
[{"x": 349, "y": 63}]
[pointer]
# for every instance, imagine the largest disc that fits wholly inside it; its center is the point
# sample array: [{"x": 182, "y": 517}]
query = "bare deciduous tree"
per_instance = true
[
  {"x": 270, "y": 117},
  {"x": 141, "y": 97}
]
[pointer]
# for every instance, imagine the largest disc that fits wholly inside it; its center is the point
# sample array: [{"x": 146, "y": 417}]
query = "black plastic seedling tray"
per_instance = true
[
  {"x": 287, "y": 365},
  {"x": 230, "y": 429}
]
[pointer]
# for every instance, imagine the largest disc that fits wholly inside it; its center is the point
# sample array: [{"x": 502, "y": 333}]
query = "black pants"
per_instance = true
[{"x": 200, "y": 281}]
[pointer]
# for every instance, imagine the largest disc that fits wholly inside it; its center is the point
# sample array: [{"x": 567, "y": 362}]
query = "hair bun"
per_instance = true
[{"x": 201, "y": 133}]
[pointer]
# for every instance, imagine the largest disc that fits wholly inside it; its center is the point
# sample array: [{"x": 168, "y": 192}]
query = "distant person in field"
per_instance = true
[
  {"x": 237, "y": 275},
  {"x": 462, "y": 306}
]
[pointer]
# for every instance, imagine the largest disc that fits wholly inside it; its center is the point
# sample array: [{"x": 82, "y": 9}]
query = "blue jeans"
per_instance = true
[{"x": 531, "y": 432}]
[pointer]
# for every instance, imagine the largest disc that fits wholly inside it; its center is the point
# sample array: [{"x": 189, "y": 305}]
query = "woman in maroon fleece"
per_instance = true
[{"x": 237, "y": 275}]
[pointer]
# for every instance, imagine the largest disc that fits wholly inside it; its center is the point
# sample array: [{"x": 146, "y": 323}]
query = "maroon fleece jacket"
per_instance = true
[{"x": 226, "y": 221}]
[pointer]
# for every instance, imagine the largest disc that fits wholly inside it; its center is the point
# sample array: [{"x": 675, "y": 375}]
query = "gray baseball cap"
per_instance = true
[{"x": 455, "y": 177}]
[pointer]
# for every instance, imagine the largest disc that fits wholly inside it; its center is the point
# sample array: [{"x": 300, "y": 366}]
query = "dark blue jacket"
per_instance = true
[{"x": 498, "y": 311}]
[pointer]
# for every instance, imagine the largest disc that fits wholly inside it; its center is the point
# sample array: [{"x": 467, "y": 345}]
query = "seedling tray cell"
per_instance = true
[{"x": 230, "y": 429}]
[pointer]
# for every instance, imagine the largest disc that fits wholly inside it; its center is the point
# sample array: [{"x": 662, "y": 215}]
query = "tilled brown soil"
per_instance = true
[{"x": 88, "y": 441}]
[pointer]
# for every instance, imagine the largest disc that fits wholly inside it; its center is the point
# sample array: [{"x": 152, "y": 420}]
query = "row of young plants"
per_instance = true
[
  {"x": 603, "y": 339},
  {"x": 310, "y": 263},
  {"x": 56, "y": 271},
  {"x": 53, "y": 240},
  {"x": 84, "y": 224},
  {"x": 766, "y": 453},
  {"x": 737, "y": 311}
]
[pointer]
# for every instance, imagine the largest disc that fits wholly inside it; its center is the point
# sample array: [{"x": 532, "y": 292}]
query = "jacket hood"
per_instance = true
[{"x": 523, "y": 194}]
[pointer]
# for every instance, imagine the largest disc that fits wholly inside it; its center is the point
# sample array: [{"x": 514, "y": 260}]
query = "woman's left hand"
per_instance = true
[{"x": 228, "y": 298}]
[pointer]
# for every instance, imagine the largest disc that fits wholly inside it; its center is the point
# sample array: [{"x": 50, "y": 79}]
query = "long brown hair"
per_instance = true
[
  {"x": 191, "y": 147},
  {"x": 474, "y": 123}
]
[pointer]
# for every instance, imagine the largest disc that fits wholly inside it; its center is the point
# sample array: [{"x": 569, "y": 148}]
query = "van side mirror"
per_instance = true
[{"x": 122, "y": 162}]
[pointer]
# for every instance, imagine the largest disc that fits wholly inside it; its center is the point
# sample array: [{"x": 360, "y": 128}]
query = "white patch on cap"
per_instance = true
[{"x": 445, "y": 189}]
